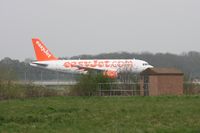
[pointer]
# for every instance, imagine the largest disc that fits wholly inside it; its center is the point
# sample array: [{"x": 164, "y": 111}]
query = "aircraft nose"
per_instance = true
[{"x": 150, "y": 66}]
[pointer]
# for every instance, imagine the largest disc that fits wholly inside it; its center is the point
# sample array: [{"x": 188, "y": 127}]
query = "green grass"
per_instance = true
[{"x": 101, "y": 115}]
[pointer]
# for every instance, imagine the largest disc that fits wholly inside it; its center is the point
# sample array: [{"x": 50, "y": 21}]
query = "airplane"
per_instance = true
[{"x": 109, "y": 67}]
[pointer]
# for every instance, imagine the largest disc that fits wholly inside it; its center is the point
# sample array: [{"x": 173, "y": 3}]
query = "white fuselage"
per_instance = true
[{"x": 82, "y": 66}]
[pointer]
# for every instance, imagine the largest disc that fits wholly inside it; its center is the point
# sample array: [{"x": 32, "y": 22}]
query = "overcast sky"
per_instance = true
[{"x": 74, "y": 27}]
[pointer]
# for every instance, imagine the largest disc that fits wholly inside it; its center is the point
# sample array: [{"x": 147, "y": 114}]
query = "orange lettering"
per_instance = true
[
  {"x": 100, "y": 64},
  {"x": 94, "y": 63},
  {"x": 107, "y": 64},
  {"x": 73, "y": 64},
  {"x": 67, "y": 64}
]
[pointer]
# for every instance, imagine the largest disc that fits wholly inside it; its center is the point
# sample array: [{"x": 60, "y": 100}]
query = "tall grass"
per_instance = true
[{"x": 11, "y": 90}]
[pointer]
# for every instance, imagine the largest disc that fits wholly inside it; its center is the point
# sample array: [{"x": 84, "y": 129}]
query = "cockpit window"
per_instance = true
[{"x": 145, "y": 64}]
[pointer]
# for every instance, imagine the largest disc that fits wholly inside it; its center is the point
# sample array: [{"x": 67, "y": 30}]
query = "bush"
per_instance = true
[
  {"x": 10, "y": 90},
  {"x": 39, "y": 91},
  {"x": 89, "y": 84},
  {"x": 191, "y": 88}
]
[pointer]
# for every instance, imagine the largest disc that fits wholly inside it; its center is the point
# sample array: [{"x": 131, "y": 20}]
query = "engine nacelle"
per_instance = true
[{"x": 110, "y": 74}]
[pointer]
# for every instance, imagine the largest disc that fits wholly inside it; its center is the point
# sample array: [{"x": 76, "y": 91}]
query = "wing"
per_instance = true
[
  {"x": 106, "y": 72},
  {"x": 87, "y": 68},
  {"x": 82, "y": 68}
]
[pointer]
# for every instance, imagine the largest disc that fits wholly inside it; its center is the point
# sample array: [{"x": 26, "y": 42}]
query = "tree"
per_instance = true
[{"x": 89, "y": 84}]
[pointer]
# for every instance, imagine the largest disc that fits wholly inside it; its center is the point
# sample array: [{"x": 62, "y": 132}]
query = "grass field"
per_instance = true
[{"x": 101, "y": 115}]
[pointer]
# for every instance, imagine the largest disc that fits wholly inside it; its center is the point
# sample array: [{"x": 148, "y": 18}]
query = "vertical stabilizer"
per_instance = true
[{"x": 41, "y": 51}]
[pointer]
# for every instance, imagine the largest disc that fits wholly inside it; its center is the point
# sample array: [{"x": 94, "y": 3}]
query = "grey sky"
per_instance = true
[{"x": 73, "y": 27}]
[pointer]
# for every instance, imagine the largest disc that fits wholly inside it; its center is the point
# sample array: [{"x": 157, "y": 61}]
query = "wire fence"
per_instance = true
[{"x": 119, "y": 89}]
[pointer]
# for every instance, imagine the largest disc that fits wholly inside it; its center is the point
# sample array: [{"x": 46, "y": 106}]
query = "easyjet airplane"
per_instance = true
[{"x": 110, "y": 68}]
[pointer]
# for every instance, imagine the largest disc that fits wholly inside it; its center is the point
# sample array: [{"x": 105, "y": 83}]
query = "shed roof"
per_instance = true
[{"x": 161, "y": 71}]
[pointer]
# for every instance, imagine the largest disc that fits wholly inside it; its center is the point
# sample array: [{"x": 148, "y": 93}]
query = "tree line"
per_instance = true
[{"x": 189, "y": 63}]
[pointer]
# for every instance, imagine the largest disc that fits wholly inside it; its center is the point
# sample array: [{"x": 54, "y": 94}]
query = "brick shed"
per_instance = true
[{"x": 161, "y": 81}]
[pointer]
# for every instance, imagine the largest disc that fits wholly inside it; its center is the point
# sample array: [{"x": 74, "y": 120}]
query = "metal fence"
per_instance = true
[
  {"x": 190, "y": 88},
  {"x": 119, "y": 89}
]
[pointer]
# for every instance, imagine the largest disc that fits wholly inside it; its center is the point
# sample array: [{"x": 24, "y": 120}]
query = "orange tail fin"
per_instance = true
[{"x": 41, "y": 51}]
